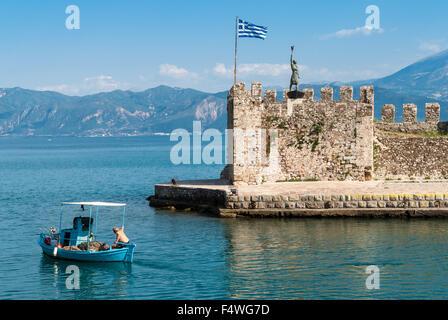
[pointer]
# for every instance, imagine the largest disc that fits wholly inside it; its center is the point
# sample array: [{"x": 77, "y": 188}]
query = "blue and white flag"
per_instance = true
[{"x": 250, "y": 30}]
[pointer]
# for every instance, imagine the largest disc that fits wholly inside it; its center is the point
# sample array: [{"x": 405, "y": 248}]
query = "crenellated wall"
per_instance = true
[
  {"x": 299, "y": 138},
  {"x": 244, "y": 110},
  {"x": 410, "y": 123},
  {"x": 411, "y": 149}
]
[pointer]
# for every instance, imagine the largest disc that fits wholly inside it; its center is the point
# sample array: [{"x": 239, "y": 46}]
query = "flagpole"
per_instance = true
[{"x": 236, "y": 49}]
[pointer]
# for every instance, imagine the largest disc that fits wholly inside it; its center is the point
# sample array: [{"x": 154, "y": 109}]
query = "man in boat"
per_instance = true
[{"x": 121, "y": 237}]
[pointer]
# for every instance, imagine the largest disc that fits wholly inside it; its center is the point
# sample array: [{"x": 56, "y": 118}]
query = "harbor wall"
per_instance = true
[{"x": 294, "y": 202}]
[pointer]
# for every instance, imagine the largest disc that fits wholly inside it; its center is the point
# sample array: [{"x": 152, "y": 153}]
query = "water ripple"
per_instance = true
[{"x": 192, "y": 256}]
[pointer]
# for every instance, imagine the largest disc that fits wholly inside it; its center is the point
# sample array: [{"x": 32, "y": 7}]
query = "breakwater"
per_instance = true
[{"x": 307, "y": 199}]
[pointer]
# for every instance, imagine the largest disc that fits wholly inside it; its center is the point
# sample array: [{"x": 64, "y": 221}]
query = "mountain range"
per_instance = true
[
  {"x": 156, "y": 110},
  {"x": 163, "y": 109}
]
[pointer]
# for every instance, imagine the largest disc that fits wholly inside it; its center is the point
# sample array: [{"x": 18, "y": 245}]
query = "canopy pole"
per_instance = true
[
  {"x": 236, "y": 49},
  {"x": 124, "y": 213},
  {"x": 60, "y": 225},
  {"x": 96, "y": 220},
  {"x": 88, "y": 236}
]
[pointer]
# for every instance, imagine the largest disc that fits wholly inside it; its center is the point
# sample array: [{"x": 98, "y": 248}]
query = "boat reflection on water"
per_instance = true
[{"x": 99, "y": 279}]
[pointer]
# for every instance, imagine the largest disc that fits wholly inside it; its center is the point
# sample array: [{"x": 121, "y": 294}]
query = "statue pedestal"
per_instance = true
[{"x": 295, "y": 94}]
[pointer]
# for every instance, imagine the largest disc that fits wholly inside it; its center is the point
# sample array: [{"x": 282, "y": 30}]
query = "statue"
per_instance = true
[{"x": 295, "y": 72}]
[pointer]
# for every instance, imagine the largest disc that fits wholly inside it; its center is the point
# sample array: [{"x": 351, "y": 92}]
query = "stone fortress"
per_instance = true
[
  {"x": 302, "y": 139},
  {"x": 301, "y": 157}
]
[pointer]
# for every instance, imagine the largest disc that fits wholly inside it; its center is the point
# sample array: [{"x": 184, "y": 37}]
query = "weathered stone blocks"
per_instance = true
[
  {"x": 346, "y": 93},
  {"x": 366, "y": 95},
  {"x": 326, "y": 94},
  {"x": 308, "y": 94},
  {"x": 432, "y": 112},
  {"x": 313, "y": 137},
  {"x": 318, "y": 202},
  {"x": 285, "y": 94},
  {"x": 270, "y": 96},
  {"x": 256, "y": 89},
  {"x": 409, "y": 113},
  {"x": 388, "y": 113}
]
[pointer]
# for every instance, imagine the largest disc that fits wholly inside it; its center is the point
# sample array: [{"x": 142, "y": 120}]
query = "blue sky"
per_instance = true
[{"x": 141, "y": 44}]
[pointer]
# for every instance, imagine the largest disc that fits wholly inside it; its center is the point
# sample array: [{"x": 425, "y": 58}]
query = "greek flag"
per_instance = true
[{"x": 250, "y": 30}]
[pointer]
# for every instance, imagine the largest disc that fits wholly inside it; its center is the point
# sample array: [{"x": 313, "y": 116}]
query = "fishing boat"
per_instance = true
[{"x": 66, "y": 243}]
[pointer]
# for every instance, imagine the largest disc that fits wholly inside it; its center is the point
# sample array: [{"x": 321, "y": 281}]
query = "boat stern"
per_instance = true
[{"x": 130, "y": 253}]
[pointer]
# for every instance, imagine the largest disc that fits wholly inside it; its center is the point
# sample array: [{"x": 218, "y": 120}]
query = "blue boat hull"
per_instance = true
[{"x": 125, "y": 254}]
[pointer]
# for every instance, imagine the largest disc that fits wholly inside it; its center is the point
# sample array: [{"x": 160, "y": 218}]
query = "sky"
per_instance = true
[{"x": 136, "y": 44}]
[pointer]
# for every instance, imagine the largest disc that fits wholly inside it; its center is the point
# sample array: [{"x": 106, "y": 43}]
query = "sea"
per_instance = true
[{"x": 188, "y": 255}]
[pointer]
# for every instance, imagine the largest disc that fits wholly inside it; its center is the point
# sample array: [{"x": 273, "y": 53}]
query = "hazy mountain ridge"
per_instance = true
[
  {"x": 163, "y": 109},
  {"x": 427, "y": 77},
  {"x": 160, "y": 109}
]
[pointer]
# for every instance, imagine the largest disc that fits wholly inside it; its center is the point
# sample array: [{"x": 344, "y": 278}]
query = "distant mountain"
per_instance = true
[
  {"x": 161, "y": 109},
  {"x": 426, "y": 78}
]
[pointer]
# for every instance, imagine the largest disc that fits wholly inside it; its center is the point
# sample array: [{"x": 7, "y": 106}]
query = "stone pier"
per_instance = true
[{"x": 307, "y": 199}]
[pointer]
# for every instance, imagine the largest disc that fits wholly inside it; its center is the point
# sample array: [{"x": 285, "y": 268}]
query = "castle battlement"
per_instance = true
[
  {"x": 270, "y": 95},
  {"x": 346, "y": 94},
  {"x": 432, "y": 112},
  {"x": 302, "y": 138},
  {"x": 266, "y": 102},
  {"x": 270, "y": 137},
  {"x": 410, "y": 124}
]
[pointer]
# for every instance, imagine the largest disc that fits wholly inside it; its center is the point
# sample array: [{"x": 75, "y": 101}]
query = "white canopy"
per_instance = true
[{"x": 97, "y": 204}]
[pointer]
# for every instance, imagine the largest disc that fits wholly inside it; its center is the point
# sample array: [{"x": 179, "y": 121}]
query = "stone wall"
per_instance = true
[
  {"x": 324, "y": 140},
  {"x": 190, "y": 195},
  {"x": 421, "y": 158},
  {"x": 244, "y": 112},
  {"x": 411, "y": 149},
  {"x": 410, "y": 123},
  {"x": 229, "y": 202},
  {"x": 299, "y": 138},
  {"x": 347, "y": 201}
]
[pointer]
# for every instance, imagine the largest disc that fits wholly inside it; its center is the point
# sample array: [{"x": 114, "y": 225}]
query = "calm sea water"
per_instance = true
[{"x": 187, "y": 255}]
